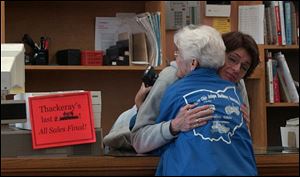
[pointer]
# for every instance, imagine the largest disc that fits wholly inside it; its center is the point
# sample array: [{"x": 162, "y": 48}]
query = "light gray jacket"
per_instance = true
[{"x": 146, "y": 135}]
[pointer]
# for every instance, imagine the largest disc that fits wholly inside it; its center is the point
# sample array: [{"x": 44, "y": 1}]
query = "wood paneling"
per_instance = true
[
  {"x": 258, "y": 125},
  {"x": 58, "y": 22},
  {"x": 2, "y": 22}
]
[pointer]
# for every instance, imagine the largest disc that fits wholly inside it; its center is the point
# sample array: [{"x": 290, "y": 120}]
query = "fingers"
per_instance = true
[
  {"x": 247, "y": 122},
  {"x": 244, "y": 109},
  {"x": 199, "y": 124},
  {"x": 188, "y": 107},
  {"x": 201, "y": 121},
  {"x": 200, "y": 112},
  {"x": 190, "y": 117}
]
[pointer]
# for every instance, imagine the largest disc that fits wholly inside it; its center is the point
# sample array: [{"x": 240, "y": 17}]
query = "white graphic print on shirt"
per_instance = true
[{"x": 227, "y": 117}]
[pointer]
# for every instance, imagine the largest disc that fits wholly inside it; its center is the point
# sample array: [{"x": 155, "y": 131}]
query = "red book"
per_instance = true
[
  {"x": 276, "y": 89},
  {"x": 61, "y": 119},
  {"x": 278, "y": 27}
]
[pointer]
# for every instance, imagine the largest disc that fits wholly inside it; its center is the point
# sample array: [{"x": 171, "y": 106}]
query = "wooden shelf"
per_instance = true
[
  {"x": 88, "y": 68},
  {"x": 282, "y": 104},
  {"x": 281, "y": 47}
]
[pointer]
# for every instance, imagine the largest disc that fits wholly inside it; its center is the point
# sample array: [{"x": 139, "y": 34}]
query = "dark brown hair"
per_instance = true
[{"x": 234, "y": 40}]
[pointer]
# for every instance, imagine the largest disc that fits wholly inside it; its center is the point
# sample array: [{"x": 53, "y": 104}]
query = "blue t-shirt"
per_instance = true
[{"x": 223, "y": 146}]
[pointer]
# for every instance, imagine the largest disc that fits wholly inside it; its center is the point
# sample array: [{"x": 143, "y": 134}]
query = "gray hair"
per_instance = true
[{"x": 203, "y": 43}]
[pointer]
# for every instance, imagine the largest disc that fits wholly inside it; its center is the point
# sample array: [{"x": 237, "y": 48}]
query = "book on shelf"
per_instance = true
[
  {"x": 277, "y": 22},
  {"x": 282, "y": 23},
  {"x": 288, "y": 22},
  {"x": 266, "y": 39},
  {"x": 284, "y": 93},
  {"x": 268, "y": 25},
  {"x": 269, "y": 69},
  {"x": 139, "y": 46},
  {"x": 297, "y": 85},
  {"x": 295, "y": 27},
  {"x": 276, "y": 86},
  {"x": 288, "y": 82},
  {"x": 273, "y": 23}
]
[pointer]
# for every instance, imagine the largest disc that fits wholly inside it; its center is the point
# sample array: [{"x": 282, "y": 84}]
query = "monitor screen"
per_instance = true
[
  {"x": 12, "y": 82},
  {"x": 12, "y": 68}
]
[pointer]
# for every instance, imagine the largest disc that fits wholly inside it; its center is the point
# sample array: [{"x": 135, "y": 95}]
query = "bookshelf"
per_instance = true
[
  {"x": 278, "y": 113},
  {"x": 282, "y": 104}
]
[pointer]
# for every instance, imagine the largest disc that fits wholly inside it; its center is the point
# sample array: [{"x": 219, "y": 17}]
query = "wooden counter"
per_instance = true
[{"x": 276, "y": 164}]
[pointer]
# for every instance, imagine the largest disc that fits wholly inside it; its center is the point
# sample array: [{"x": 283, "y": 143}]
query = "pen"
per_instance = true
[
  {"x": 46, "y": 43},
  {"x": 42, "y": 41}
]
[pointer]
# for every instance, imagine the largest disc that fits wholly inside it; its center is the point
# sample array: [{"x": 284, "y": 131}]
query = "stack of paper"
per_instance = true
[
  {"x": 251, "y": 21},
  {"x": 151, "y": 24},
  {"x": 290, "y": 134}
]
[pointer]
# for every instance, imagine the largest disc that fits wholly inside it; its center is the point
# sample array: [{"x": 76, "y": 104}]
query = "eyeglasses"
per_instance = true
[{"x": 234, "y": 59}]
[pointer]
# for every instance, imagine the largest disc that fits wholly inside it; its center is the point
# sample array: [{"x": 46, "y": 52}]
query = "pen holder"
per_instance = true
[{"x": 41, "y": 57}]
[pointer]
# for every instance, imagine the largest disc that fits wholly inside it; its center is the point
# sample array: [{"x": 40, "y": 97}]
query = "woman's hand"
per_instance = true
[
  {"x": 189, "y": 118},
  {"x": 246, "y": 117},
  {"x": 141, "y": 95}
]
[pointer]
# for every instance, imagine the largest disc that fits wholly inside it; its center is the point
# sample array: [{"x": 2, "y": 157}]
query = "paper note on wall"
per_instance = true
[
  {"x": 251, "y": 21},
  {"x": 222, "y": 24}
]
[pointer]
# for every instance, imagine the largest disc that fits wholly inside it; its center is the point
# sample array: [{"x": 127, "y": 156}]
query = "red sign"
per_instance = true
[{"x": 61, "y": 119}]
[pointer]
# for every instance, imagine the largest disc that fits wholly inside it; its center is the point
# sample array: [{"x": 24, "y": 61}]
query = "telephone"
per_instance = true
[{"x": 182, "y": 13}]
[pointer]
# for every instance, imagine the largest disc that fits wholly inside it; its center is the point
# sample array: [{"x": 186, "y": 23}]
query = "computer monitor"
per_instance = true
[
  {"x": 12, "y": 82},
  {"x": 12, "y": 68}
]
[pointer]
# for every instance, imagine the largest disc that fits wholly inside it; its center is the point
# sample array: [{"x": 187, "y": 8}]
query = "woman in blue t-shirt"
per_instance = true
[{"x": 223, "y": 146}]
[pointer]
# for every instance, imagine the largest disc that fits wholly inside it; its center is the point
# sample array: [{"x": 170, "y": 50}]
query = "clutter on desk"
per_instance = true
[
  {"x": 92, "y": 58},
  {"x": 290, "y": 134},
  {"x": 68, "y": 57},
  {"x": 118, "y": 55},
  {"x": 36, "y": 54}
]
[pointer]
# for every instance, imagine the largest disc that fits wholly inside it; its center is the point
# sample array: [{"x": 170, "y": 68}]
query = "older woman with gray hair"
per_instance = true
[{"x": 223, "y": 145}]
